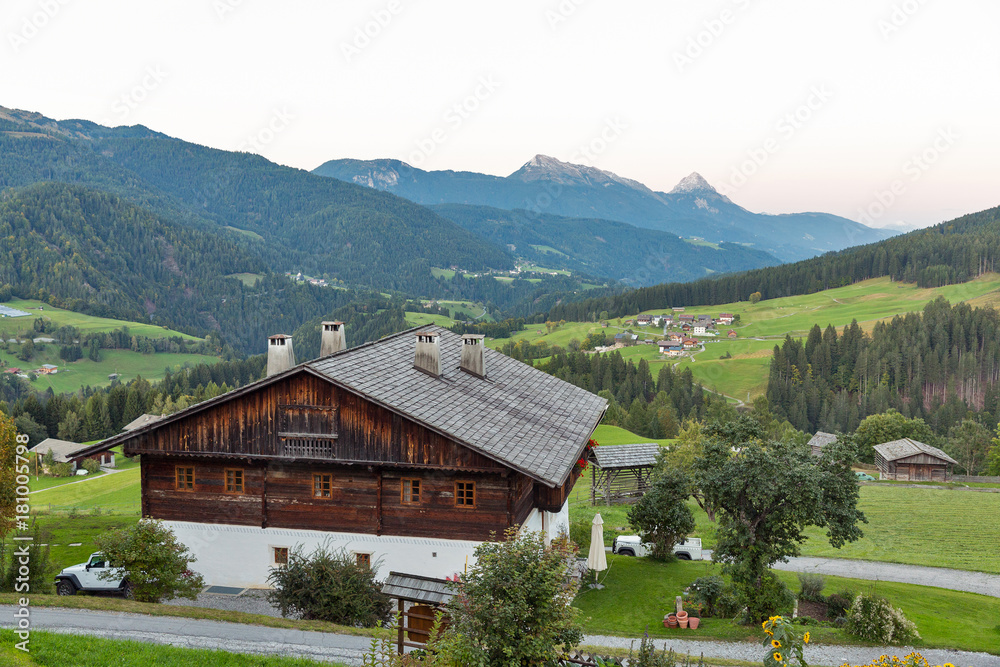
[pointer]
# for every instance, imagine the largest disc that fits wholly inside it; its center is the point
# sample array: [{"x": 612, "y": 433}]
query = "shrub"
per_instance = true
[
  {"x": 872, "y": 617},
  {"x": 728, "y": 604},
  {"x": 91, "y": 466},
  {"x": 838, "y": 604},
  {"x": 61, "y": 470},
  {"x": 579, "y": 534},
  {"x": 812, "y": 586},
  {"x": 155, "y": 563},
  {"x": 38, "y": 566},
  {"x": 648, "y": 655},
  {"x": 329, "y": 585},
  {"x": 772, "y": 596},
  {"x": 706, "y": 590}
]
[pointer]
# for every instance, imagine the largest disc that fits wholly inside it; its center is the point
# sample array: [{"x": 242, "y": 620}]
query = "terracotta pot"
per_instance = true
[
  {"x": 682, "y": 615},
  {"x": 683, "y": 622},
  {"x": 693, "y": 622},
  {"x": 672, "y": 620}
]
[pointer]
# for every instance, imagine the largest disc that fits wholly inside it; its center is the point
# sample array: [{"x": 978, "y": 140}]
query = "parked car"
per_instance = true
[
  {"x": 632, "y": 545},
  {"x": 863, "y": 476},
  {"x": 86, "y": 577}
]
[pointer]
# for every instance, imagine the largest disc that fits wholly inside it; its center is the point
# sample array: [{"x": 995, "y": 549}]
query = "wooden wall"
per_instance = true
[{"x": 363, "y": 499}]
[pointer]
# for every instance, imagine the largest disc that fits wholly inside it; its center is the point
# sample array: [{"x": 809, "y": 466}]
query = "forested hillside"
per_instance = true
[
  {"x": 940, "y": 365},
  {"x": 951, "y": 252},
  {"x": 633, "y": 255}
]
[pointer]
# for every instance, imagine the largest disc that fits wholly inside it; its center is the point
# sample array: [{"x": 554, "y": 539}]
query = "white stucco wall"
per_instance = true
[
  {"x": 551, "y": 523},
  {"x": 243, "y": 555}
]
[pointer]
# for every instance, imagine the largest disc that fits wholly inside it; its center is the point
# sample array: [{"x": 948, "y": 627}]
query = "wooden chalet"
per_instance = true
[
  {"x": 74, "y": 453},
  {"x": 407, "y": 452},
  {"x": 819, "y": 441},
  {"x": 908, "y": 460}
]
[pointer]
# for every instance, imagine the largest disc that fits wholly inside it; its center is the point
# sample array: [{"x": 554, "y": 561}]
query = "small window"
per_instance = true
[
  {"x": 465, "y": 494},
  {"x": 184, "y": 478},
  {"x": 364, "y": 559},
  {"x": 322, "y": 485},
  {"x": 280, "y": 555},
  {"x": 234, "y": 481},
  {"x": 411, "y": 491}
]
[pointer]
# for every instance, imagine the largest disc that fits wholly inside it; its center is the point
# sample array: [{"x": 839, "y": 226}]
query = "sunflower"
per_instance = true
[
  {"x": 775, "y": 643},
  {"x": 777, "y": 657},
  {"x": 805, "y": 638}
]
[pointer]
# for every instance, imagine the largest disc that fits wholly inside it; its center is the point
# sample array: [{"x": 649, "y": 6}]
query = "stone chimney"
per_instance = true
[
  {"x": 473, "y": 357},
  {"x": 333, "y": 339},
  {"x": 428, "y": 354},
  {"x": 280, "y": 356}
]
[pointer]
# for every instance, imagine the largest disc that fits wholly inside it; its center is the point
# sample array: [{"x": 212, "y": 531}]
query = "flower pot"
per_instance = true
[
  {"x": 682, "y": 615},
  {"x": 672, "y": 620},
  {"x": 693, "y": 622},
  {"x": 683, "y": 622}
]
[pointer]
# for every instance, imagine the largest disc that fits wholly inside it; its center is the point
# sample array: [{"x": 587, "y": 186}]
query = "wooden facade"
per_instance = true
[
  {"x": 917, "y": 468},
  {"x": 302, "y": 453}
]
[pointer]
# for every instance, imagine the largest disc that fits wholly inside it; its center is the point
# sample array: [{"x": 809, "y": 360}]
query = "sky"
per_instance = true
[{"x": 883, "y": 111}]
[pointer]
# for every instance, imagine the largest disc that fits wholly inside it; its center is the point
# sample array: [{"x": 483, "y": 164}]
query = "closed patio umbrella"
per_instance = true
[{"x": 597, "y": 560}]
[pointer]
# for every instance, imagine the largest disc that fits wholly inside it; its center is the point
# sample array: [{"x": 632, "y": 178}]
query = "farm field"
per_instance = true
[
  {"x": 114, "y": 492},
  {"x": 84, "y": 372},
  {"x": 85, "y": 323},
  {"x": 421, "y": 319},
  {"x": 639, "y": 591},
  {"x": 923, "y": 526}
]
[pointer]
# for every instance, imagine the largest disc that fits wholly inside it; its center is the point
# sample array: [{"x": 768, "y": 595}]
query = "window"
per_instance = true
[
  {"x": 234, "y": 481},
  {"x": 364, "y": 559},
  {"x": 322, "y": 486},
  {"x": 280, "y": 555},
  {"x": 410, "y": 491},
  {"x": 184, "y": 478},
  {"x": 465, "y": 494}
]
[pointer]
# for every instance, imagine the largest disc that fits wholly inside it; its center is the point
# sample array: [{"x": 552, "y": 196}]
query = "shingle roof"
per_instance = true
[
  {"x": 822, "y": 439},
  {"x": 414, "y": 588},
  {"x": 141, "y": 421},
  {"x": 901, "y": 449},
  {"x": 519, "y": 415},
  {"x": 61, "y": 449},
  {"x": 626, "y": 456}
]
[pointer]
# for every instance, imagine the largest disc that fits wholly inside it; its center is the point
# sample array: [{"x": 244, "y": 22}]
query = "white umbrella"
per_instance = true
[{"x": 597, "y": 560}]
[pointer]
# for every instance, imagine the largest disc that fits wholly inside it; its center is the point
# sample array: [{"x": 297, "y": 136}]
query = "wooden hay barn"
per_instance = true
[
  {"x": 419, "y": 600},
  {"x": 622, "y": 472},
  {"x": 819, "y": 441},
  {"x": 908, "y": 460}
]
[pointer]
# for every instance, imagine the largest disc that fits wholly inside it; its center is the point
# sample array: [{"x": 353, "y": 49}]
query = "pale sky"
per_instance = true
[{"x": 889, "y": 95}]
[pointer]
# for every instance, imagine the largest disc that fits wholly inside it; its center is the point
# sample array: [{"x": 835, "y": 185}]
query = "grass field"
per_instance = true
[
  {"x": 83, "y": 373},
  {"x": 49, "y": 649},
  {"x": 421, "y": 319},
  {"x": 85, "y": 323},
  {"x": 248, "y": 279},
  {"x": 117, "y": 493},
  {"x": 640, "y": 591},
  {"x": 923, "y": 526}
]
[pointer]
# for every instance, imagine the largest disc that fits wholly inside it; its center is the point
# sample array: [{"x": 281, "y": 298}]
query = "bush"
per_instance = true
[
  {"x": 38, "y": 566},
  {"x": 61, "y": 470},
  {"x": 770, "y": 598},
  {"x": 155, "y": 563},
  {"x": 706, "y": 591},
  {"x": 329, "y": 585},
  {"x": 838, "y": 604},
  {"x": 579, "y": 534},
  {"x": 872, "y": 617},
  {"x": 812, "y": 586},
  {"x": 648, "y": 655},
  {"x": 91, "y": 466},
  {"x": 728, "y": 605}
]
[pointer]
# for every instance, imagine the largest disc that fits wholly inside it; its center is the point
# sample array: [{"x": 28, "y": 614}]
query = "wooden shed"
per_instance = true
[
  {"x": 622, "y": 472},
  {"x": 908, "y": 460},
  {"x": 819, "y": 441},
  {"x": 419, "y": 601}
]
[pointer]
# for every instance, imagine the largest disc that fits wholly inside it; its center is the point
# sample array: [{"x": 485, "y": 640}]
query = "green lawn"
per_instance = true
[
  {"x": 248, "y": 279},
  {"x": 85, "y": 323},
  {"x": 923, "y": 526},
  {"x": 49, "y": 649},
  {"x": 422, "y": 319},
  {"x": 640, "y": 591},
  {"x": 83, "y": 373},
  {"x": 117, "y": 493}
]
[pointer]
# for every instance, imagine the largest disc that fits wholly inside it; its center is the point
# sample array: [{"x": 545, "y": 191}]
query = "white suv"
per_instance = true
[
  {"x": 85, "y": 577},
  {"x": 632, "y": 545}
]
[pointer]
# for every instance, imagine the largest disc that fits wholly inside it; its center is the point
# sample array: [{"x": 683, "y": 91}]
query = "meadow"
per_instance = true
[
  {"x": 85, "y": 323},
  {"x": 111, "y": 492}
]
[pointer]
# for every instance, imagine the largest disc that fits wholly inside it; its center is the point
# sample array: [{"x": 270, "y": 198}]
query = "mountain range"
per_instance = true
[{"x": 545, "y": 185}]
